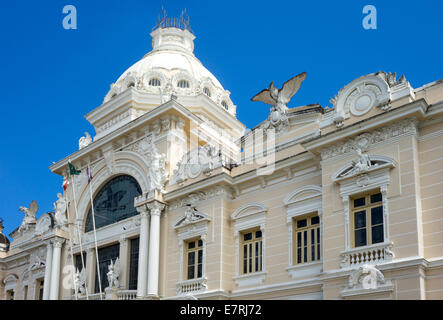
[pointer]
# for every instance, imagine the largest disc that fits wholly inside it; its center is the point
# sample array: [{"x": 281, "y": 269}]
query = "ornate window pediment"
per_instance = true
[
  {"x": 364, "y": 164},
  {"x": 191, "y": 216}
]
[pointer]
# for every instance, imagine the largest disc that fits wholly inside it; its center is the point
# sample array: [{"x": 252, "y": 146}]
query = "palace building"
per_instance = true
[{"x": 312, "y": 203}]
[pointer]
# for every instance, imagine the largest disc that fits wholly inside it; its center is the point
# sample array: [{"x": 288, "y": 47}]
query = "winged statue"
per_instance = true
[
  {"x": 29, "y": 215},
  {"x": 79, "y": 282},
  {"x": 84, "y": 141},
  {"x": 113, "y": 274},
  {"x": 280, "y": 98}
]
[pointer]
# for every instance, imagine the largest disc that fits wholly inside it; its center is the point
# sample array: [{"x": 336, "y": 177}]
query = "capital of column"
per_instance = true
[
  {"x": 143, "y": 211},
  {"x": 57, "y": 242},
  {"x": 155, "y": 208},
  {"x": 122, "y": 240}
]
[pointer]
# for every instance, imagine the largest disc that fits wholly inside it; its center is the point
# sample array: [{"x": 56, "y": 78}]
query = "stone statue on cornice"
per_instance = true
[{"x": 60, "y": 207}]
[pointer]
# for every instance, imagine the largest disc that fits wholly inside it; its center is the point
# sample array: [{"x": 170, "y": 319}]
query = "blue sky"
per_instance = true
[{"x": 51, "y": 77}]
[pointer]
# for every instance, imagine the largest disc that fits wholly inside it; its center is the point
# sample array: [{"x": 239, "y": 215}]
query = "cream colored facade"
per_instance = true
[{"x": 316, "y": 170}]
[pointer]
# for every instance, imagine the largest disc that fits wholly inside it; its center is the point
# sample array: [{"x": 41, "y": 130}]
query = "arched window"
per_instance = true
[
  {"x": 224, "y": 104},
  {"x": 183, "y": 84},
  {"x": 206, "y": 91},
  {"x": 154, "y": 82},
  {"x": 114, "y": 202}
]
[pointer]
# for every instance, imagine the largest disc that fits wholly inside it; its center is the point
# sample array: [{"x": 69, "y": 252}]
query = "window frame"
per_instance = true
[
  {"x": 196, "y": 250},
  {"x": 308, "y": 243},
  {"x": 368, "y": 216},
  {"x": 254, "y": 259}
]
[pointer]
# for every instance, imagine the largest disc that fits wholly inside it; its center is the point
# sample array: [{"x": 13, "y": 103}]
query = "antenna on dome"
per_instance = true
[
  {"x": 162, "y": 16},
  {"x": 170, "y": 22}
]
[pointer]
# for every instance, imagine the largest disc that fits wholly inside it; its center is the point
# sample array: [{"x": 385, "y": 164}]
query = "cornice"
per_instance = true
[{"x": 414, "y": 109}]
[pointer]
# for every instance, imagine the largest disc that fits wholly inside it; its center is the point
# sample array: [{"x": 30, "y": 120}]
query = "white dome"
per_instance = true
[
  {"x": 171, "y": 61},
  {"x": 172, "y": 68}
]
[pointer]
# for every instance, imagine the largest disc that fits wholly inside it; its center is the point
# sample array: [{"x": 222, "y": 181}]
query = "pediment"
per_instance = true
[
  {"x": 191, "y": 216},
  {"x": 365, "y": 163},
  {"x": 303, "y": 193},
  {"x": 248, "y": 210}
]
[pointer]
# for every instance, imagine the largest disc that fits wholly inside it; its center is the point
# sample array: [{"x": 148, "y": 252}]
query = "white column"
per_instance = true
[
  {"x": 55, "y": 270},
  {"x": 154, "y": 247},
  {"x": 48, "y": 267},
  {"x": 142, "y": 277}
]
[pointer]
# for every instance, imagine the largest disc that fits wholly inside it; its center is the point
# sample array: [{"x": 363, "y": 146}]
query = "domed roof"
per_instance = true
[
  {"x": 171, "y": 61},
  {"x": 172, "y": 68}
]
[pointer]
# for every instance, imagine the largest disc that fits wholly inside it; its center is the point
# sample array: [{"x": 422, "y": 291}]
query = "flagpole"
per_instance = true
[
  {"x": 72, "y": 254},
  {"x": 78, "y": 231},
  {"x": 89, "y": 174}
]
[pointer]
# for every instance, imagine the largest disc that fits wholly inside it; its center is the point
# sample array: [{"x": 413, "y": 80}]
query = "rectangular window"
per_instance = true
[
  {"x": 133, "y": 264},
  {"x": 367, "y": 219},
  {"x": 25, "y": 293},
  {"x": 194, "y": 259},
  {"x": 39, "y": 287},
  {"x": 252, "y": 246},
  {"x": 307, "y": 239}
]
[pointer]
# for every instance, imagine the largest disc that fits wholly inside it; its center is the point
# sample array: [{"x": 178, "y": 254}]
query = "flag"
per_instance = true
[
  {"x": 73, "y": 170},
  {"x": 89, "y": 174},
  {"x": 65, "y": 184}
]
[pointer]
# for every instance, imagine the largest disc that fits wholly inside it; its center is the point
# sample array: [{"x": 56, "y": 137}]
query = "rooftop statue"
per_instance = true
[
  {"x": 60, "y": 207},
  {"x": 29, "y": 215},
  {"x": 279, "y": 99}
]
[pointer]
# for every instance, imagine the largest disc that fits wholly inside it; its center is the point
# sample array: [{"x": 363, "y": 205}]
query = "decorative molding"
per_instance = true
[
  {"x": 365, "y": 140},
  {"x": 196, "y": 197},
  {"x": 366, "y": 279},
  {"x": 197, "y": 161}
]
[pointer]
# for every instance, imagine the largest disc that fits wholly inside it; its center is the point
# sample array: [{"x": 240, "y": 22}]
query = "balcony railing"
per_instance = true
[
  {"x": 127, "y": 294},
  {"x": 374, "y": 254},
  {"x": 193, "y": 285}
]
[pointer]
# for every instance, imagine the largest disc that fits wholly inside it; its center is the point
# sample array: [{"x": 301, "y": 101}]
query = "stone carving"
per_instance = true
[
  {"x": 80, "y": 282},
  {"x": 44, "y": 224},
  {"x": 279, "y": 99},
  {"x": 366, "y": 277},
  {"x": 365, "y": 140},
  {"x": 29, "y": 215},
  {"x": 36, "y": 262},
  {"x": 191, "y": 215},
  {"x": 114, "y": 274},
  {"x": 60, "y": 207},
  {"x": 363, "y": 164},
  {"x": 158, "y": 175},
  {"x": 197, "y": 161},
  {"x": 109, "y": 156},
  {"x": 84, "y": 141},
  {"x": 141, "y": 146}
]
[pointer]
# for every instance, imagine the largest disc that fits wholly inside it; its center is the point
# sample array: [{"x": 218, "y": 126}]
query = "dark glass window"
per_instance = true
[
  {"x": 376, "y": 198},
  {"x": 114, "y": 202},
  {"x": 315, "y": 220},
  {"x": 105, "y": 256},
  {"x": 247, "y": 236},
  {"x": 301, "y": 223},
  {"x": 359, "y": 202},
  {"x": 133, "y": 264}
]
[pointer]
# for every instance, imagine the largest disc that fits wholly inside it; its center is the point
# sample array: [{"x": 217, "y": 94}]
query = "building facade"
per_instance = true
[{"x": 313, "y": 203}]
